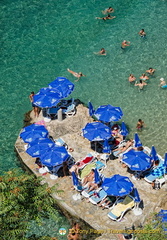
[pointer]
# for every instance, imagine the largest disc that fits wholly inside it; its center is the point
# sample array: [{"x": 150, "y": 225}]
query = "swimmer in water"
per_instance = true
[
  {"x": 107, "y": 17},
  {"x": 151, "y": 71},
  {"x": 125, "y": 44},
  {"x": 141, "y": 84},
  {"x": 108, "y": 10},
  {"x": 75, "y": 74},
  {"x": 144, "y": 77},
  {"x": 142, "y": 33},
  {"x": 102, "y": 52},
  {"x": 131, "y": 78},
  {"x": 162, "y": 82}
]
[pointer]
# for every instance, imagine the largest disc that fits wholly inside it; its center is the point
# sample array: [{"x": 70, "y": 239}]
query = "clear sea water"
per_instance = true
[{"x": 41, "y": 39}]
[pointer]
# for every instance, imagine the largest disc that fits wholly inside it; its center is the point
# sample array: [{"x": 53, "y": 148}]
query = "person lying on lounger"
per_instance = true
[
  {"x": 89, "y": 178},
  {"x": 122, "y": 149}
]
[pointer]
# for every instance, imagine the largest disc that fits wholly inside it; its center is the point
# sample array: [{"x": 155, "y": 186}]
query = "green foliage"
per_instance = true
[
  {"x": 152, "y": 230},
  {"x": 23, "y": 199}
]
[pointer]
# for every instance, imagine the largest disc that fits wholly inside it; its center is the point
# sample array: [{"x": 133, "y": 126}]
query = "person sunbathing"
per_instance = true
[
  {"x": 92, "y": 186},
  {"x": 75, "y": 168},
  {"x": 89, "y": 178},
  {"x": 75, "y": 74},
  {"x": 122, "y": 149}
]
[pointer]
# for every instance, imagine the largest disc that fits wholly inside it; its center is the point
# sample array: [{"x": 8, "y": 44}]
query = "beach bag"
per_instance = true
[{"x": 156, "y": 185}]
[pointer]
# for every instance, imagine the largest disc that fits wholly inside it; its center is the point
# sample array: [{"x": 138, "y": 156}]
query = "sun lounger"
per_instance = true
[
  {"x": 121, "y": 208},
  {"x": 87, "y": 194},
  {"x": 88, "y": 159},
  {"x": 97, "y": 196}
]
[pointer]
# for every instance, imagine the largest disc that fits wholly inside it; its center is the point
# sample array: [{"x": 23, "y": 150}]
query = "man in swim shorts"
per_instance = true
[{"x": 125, "y": 44}]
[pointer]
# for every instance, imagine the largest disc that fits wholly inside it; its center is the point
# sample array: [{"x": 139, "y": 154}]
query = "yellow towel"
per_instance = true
[
  {"x": 87, "y": 170},
  {"x": 120, "y": 207}
]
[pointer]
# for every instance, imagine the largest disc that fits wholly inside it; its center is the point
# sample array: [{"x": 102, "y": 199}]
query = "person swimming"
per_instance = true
[
  {"x": 125, "y": 44},
  {"x": 141, "y": 84},
  {"x": 142, "y": 33},
  {"x": 150, "y": 71},
  {"x": 75, "y": 74},
  {"x": 131, "y": 78},
  {"x": 144, "y": 77},
  {"x": 107, "y": 17},
  {"x": 108, "y": 10}
]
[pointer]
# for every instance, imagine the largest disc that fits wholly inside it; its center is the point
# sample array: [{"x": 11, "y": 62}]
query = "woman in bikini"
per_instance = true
[
  {"x": 75, "y": 74},
  {"x": 144, "y": 77}
]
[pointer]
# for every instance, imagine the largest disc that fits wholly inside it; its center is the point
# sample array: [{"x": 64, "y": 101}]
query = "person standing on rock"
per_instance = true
[{"x": 35, "y": 107}]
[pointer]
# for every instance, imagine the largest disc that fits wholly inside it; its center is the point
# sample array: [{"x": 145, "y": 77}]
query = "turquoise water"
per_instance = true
[{"x": 41, "y": 39}]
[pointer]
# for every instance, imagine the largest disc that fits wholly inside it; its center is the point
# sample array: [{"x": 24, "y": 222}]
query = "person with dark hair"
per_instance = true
[
  {"x": 142, "y": 33},
  {"x": 131, "y": 78},
  {"x": 35, "y": 107},
  {"x": 108, "y": 10},
  {"x": 141, "y": 84},
  {"x": 140, "y": 124},
  {"x": 151, "y": 71},
  {"x": 107, "y": 17}
]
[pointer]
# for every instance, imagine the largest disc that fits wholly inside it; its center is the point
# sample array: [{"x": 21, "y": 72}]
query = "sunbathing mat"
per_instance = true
[
  {"x": 119, "y": 208},
  {"x": 87, "y": 170}
]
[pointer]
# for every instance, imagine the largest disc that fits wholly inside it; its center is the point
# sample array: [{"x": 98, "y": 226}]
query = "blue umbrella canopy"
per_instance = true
[
  {"x": 96, "y": 131},
  {"x": 54, "y": 156},
  {"x": 32, "y": 132},
  {"x": 91, "y": 109},
  {"x": 97, "y": 176},
  {"x": 137, "y": 141},
  {"x": 136, "y": 196},
  {"x": 165, "y": 160},
  {"x": 124, "y": 131},
  {"x": 137, "y": 160},
  {"x": 117, "y": 185},
  {"x": 153, "y": 154},
  {"x": 106, "y": 147},
  {"x": 63, "y": 85},
  {"x": 47, "y": 97},
  {"x": 39, "y": 146},
  {"x": 75, "y": 179},
  {"x": 108, "y": 113}
]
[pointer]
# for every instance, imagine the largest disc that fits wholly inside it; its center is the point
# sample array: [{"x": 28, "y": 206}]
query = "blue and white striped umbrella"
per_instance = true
[
  {"x": 96, "y": 131},
  {"x": 32, "y": 132},
  {"x": 108, "y": 113}
]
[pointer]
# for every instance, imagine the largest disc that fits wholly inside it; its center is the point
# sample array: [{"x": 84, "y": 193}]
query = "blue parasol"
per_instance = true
[
  {"x": 117, "y": 185},
  {"x": 54, "y": 156},
  {"x": 137, "y": 141},
  {"x": 165, "y": 160},
  {"x": 124, "y": 131},
  {"x": 32, "y": 132},
  {"x": 39, "y": 146},
  {"x": 108, "y": 113},
  {"x": 47, "y": 98},
  {"x": 91, "y": 109},
  {"x": 106, "y": 147},
  {"x": 153, "y": 154},
  {"x": 97, "y": 176},
  {"x": 136, "y": 196},
  {"x": 96, "y": 131},
  {"x": 137, "y": 160},
  {"x": 63, "y": 85},
  {"x": 75, "y": 179}
]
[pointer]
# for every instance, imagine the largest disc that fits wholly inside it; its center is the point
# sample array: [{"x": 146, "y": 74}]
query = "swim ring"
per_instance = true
[{"x": 165, "y": 86}]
